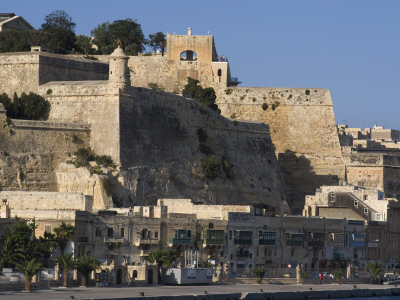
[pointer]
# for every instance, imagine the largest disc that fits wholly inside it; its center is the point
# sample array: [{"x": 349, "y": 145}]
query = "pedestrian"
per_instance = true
[{"x": 321, "y": 276}]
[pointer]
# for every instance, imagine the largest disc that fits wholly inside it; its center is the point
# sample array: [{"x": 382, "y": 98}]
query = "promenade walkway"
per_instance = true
[{"x": 213, "y": 291}]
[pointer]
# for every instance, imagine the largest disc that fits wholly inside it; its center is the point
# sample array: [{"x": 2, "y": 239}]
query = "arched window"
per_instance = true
[
  {"x": 189, "y": 55},
  {"x": 134, "y": 274},
  {"x": 219, "y": 72}
]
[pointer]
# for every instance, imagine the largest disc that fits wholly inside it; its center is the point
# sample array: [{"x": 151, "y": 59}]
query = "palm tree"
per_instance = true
[
  {"x": 375, "y": 269},
  {"x": 162, "y": 257},
  {"x": 10, "y": 251},
  {"x": 338, "y": 275},
  {"x": 29, "y": 269},
  {"x": 85, "y": 265},
  {"x": 259, "y": 272},
  {"x": 64, "y": 232},
  {"x": 66, "y": 262}
]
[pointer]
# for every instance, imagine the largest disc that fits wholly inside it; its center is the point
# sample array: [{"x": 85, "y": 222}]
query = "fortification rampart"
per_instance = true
[
  {"x": 47, "y": 200},
  {"x": 91, "y": 102},
  {"x": 161, "y": 131},
  {"x": 30, "y": 150},
  {"x": 303, "y": 130},
  {"x": 25, "y": 71}
]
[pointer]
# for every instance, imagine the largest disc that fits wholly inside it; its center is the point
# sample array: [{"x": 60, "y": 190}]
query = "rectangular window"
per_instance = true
[
  {"x": 156, "y": 234},
  {"x": 47, "y": 228},
  {"x": 365, "y": 210},
  {"x": 189, "y": 233},
  {"x": 365, "y": 197},
  {"x": 110, "y": 232},
  {"x": 210, "y": 225},
  {"x": 333, "y": 197},
  {"x": 230, "y": 234},
  {"x": 122, "y": 232},
  {"x": 355, "y": 203},
  {"x": 98, "y": 231}
]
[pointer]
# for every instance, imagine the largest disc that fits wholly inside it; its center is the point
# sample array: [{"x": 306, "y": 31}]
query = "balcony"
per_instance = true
[
  {"x": 179, "y": 241},
  {"x": 149, "y": 241},
  {"x": 316, "y": 239},
  {"x": 294, "y": 239},
  {"x": 114, "y": 240},
  {"x": 243, "y": 237},
  {"x": 212, "y": 237},
  {"x": 267, "y": 238}
]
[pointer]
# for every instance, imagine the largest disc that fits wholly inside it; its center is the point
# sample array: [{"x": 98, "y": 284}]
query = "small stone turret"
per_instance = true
[{"x": 119, "y": 72}]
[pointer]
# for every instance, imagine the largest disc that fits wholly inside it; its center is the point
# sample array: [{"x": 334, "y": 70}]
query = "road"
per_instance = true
[{"x": 60, "y": 293}]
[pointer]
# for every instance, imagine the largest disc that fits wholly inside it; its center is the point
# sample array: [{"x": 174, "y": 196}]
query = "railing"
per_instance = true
[
  {"x": 267, "y": 242},
  {"x": 114, "y": 240},
  {"x": 179, "y": 241},
  {"x": 213, "y": 237},
  {"x": 149, "y": 241}
]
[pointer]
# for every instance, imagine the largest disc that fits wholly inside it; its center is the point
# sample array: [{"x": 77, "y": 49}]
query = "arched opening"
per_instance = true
[
  {"x": 219, "y": 72},
  {"x": 119, "y": 277},
  {"x": 134, "y": 274},
  {"x": 150, "y": 276},
  {"x": 189, "y": 55}
]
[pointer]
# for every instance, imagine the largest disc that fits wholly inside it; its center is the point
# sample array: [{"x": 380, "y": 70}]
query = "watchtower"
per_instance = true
[
  {"x": 191, "y": 47},
  {"x": 119, "y": 72}
]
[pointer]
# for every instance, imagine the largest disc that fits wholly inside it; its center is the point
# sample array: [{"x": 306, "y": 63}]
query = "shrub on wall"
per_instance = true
[
  {"x": 210, "y": 167},
  {"x": 205, "y": 96}
]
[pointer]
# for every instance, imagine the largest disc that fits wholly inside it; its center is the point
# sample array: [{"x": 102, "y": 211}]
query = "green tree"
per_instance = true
[
  {"x": 211, "y": 167},
  {"x": 375, "y": 270},
  {"x": 338, "y": 275},
  {"x": 127, "y": 33},
  {"x": 61, "y": 29},
  {"x": 83, "y": 44},
  {"x": 33, "y": 106},
  {"x": 14, "y": 41},
  {"x": 29, "y": 268},
  {"x": 64, "y": 233},
  {"x": 205, "y": 96},
  {"x": 10, "y": 251},
  {"x": 259, "y": 273},
  {"x": 85, "y": 265},
  {"x": 47, "y": 243},
  {"x": 101, "y": 35},
  {"x": 162, "y": 257},
  {"x": 66, "y": 262},
  {"x": 158, "y": 41}
]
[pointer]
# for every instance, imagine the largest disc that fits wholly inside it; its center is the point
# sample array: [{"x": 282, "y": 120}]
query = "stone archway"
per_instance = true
[{"x": 188, "y": 55}]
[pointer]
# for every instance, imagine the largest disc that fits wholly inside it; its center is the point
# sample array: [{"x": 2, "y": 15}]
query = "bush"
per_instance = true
[
  {"x": 228, "y": 91},
  {"x": 307, "y": 92},
  {"x": 259, "y": 273},
  {"x": 27, "y": 107},
  {"x": 265, "y": 106},
  {"x": 211, "y": 167},
  {"x": 205, "y": 96},
  {"x": 155, "y": 86}
]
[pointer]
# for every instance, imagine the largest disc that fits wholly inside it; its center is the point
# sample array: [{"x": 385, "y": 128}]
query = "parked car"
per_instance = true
[
  {"x": 15, "y": 278},
  {"x": 328, "y": 275}
]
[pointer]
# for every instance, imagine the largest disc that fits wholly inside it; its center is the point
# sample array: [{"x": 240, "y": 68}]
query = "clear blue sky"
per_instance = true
[{"x": 350, "y": 47}]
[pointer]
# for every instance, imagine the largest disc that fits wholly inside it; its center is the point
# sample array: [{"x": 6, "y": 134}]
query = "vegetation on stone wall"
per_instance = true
[
  {"x": 228, "y": 91},
  {"x": 26, "y": 107},
  {"x": 85, "y": 156},
  {"x": 265, "y": 106},
  {"x": 205, "y": 96},
  {"x": 211, "y": 167},
  {"x": 155, "y": 86}
]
